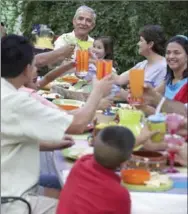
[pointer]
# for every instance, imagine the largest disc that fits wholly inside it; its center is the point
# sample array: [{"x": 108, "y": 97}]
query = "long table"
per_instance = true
[{"x": 173, "y": 201}]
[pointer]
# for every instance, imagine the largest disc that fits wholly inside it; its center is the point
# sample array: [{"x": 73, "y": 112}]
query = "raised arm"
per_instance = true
[
  {"x": 122, "y": 79},
  {"x": 161, "y": 89},
  {"x": 54, "y": 56},
  {"x": 87, "y": 113},
  {"x": 152, "y": 97},
  {"x": 55, "y": 73}
]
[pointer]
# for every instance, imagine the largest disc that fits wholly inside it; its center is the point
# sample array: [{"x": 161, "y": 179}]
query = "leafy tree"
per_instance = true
[{"x": 119, "y": 19}]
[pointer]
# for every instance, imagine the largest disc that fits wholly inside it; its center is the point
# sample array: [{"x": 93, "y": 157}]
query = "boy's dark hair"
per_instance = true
[
  {"x": 183, "y": 41},
  {"x": 16, "y": 54},
  {"x": 2, "y": 24},
  {"x": 155, "y": 34},
  {"x": 113, "y": 146}
]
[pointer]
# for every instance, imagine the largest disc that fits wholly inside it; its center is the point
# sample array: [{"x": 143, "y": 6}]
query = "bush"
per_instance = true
[{"x": 119, "y": 19}]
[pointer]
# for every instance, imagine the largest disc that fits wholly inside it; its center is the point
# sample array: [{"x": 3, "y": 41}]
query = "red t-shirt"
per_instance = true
[
  {"x": 182, "y": 95},
  {"x": 93, "y": 189}
]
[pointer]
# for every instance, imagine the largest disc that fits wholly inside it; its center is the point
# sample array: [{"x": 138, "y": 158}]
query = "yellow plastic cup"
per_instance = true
[{"x": 157, "y": 123}]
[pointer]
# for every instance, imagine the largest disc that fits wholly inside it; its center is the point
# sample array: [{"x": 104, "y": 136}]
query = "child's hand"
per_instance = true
[{"x": 92, "y": 54}]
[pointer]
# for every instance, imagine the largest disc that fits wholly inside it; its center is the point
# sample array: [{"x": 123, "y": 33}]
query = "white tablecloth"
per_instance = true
[{"x": 151, "y": 203}]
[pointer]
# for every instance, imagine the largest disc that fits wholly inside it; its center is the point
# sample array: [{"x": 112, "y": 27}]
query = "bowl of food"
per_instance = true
[
  {"x": 135, "y": 176},
  {"x": 149, "y": 160},
  {"x": 67, "y": 104}
]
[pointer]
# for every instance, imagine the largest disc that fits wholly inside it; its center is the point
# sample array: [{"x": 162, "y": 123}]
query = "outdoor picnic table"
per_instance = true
[{"x": 173, "y": 201}]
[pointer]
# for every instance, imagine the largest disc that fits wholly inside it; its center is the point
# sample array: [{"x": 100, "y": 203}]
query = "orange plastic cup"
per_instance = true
[
  {"x": 99, "y": 65},
  {"x": 78, "y": 60},
  {"x": 107, "y": 67},
  {"x": 136, "y": 80},
  {"x": 86, "y": 61},
  {"x": 82, "y": 61}
]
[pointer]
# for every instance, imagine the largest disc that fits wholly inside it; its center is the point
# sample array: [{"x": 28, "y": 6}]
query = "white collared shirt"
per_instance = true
[
  {"x": 61, "y": 40},
  {"x": 24, "y": 123}
]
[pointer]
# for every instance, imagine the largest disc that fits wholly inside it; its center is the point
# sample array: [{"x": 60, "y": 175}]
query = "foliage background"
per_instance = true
[{"x": 119, "y": 19}]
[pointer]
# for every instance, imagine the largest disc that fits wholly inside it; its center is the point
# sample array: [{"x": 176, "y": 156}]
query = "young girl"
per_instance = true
[{"x": 102, "y": 49}]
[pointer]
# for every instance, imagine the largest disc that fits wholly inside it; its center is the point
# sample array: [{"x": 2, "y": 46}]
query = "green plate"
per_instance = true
[
  {"x": 67, "y": 153},
  {"x": 68, "y": 102},
  {"x": 144, "y": 188}
]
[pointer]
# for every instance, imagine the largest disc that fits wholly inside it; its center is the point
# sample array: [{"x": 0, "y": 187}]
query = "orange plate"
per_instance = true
[
  {"x": 70, "y": 79},
  {"x": 68, "y": 107},
  {"x": 135, "y": 176}
]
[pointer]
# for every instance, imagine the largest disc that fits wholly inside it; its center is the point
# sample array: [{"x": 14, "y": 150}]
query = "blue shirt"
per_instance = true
[{"x": 172, "y": 89}]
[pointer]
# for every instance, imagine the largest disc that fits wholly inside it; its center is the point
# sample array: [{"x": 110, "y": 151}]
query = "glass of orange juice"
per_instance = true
[
  {"x": 100, "y": 69},
  {"x": 136, "y": 80},
  {"x": 78, "y": 60},
  {"x": 107, "y": 67},
  {"x": 82, "y": 63}
]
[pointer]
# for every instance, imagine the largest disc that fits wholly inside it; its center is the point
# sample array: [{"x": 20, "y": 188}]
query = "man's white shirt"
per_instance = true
[{"x": 24, "y": 123}]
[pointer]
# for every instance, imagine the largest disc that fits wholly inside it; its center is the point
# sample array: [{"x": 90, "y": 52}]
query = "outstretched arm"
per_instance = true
[
  {"x": 55, "y": 73},
  {"x": 54, "y": 56}
]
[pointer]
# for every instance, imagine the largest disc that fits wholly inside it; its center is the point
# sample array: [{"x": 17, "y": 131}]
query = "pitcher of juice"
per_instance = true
[
  {"x": 136, "y": 80},
  {"x": 131, "y": 119}
]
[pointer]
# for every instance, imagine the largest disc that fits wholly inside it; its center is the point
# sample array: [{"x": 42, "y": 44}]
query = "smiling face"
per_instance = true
[
  {"x": 83, "y": 23},
  {"x": 176, "y": 56},
  {"x": 98, "y": 49},
  {"x": 144, "y": 47}
]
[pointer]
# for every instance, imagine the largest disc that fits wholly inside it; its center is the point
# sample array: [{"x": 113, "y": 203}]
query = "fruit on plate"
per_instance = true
[
  {"x": 135, "y": 176},
  {"x": 157, "y": 179}
]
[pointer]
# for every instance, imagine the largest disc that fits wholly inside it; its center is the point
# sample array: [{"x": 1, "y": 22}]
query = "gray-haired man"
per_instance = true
[{"x": 83, "y": 22}]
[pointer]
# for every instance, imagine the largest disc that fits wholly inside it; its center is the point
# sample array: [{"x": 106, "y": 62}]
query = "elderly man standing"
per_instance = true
[{"x": 83, "y": 22}]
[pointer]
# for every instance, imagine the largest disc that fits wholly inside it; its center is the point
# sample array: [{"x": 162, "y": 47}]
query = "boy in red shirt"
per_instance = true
[{"x": 92, "y": 186}]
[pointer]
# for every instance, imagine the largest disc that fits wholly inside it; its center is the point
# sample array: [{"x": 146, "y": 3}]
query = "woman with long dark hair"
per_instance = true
[{"x": 176, "y": 84}]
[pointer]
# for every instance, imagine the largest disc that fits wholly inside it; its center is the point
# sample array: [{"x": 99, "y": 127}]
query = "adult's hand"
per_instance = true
[
  {"x": 145, "y": 135},
  {"x": 66, "y": 142},
  {"x": 183, "y": 129},
  {"x": 105, "y": 103},
  {"x": 104, "y": 85},
  {"x": 67, "y": 50},
  {"x": 151, "y": 97},
  {"x": 181, "y": 156}
]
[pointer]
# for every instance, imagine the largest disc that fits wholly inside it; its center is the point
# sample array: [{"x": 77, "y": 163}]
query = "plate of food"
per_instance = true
[
  {"x": 77, "y": 151},
  {"x": 68, "y": 78},
  {"x": 67, "y": 104},
  {"x": 145, "y": 181}
]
